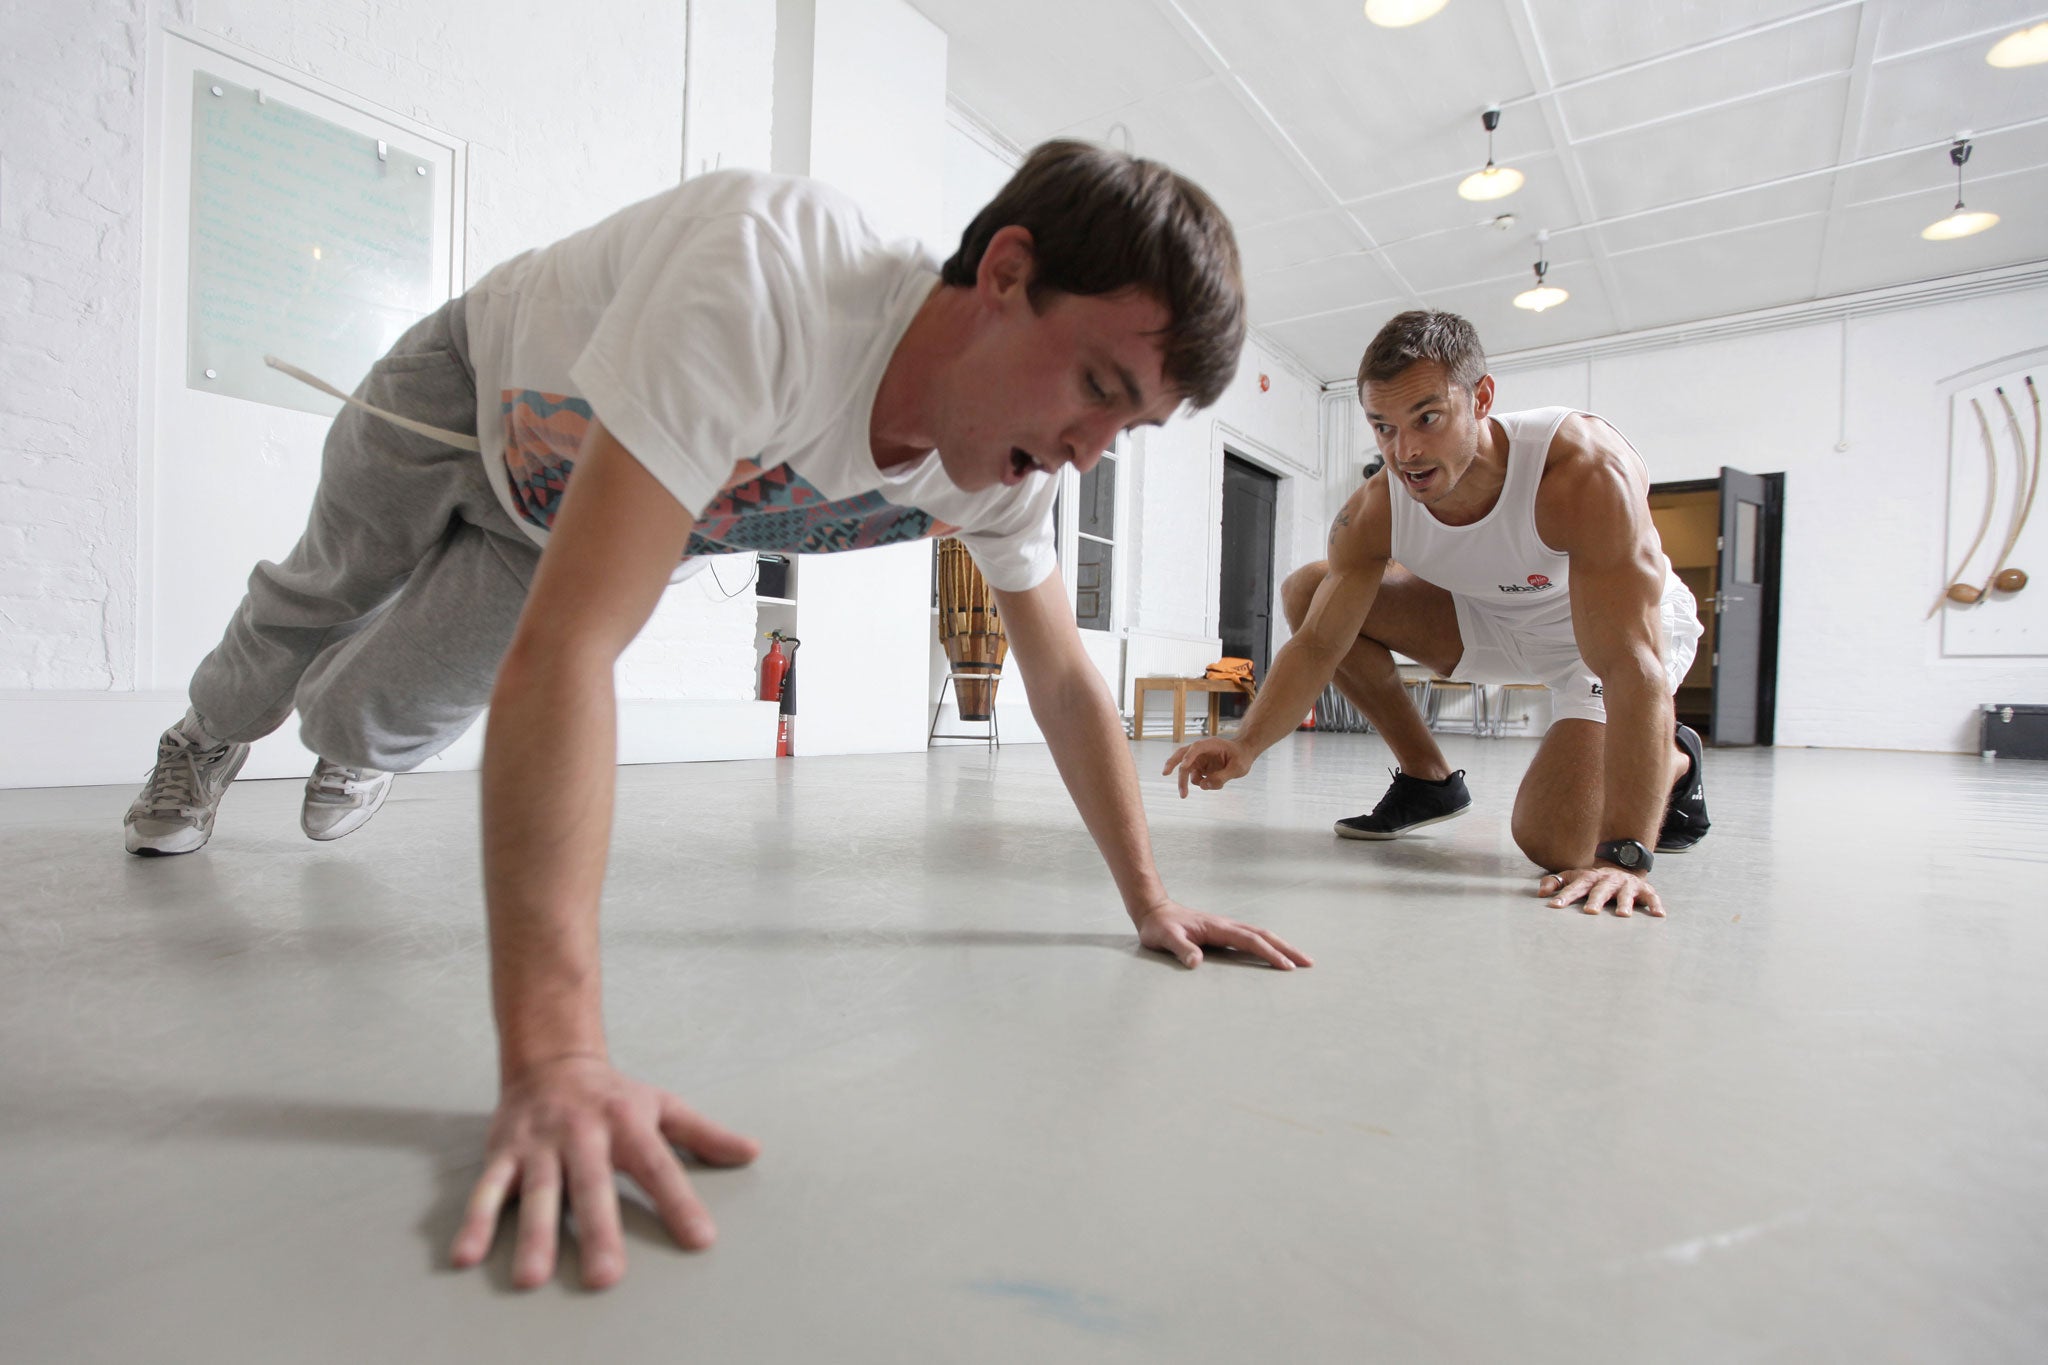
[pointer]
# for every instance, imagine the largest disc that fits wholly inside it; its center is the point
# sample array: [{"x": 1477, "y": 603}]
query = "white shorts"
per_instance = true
[{"x": 1497, "y": 650}]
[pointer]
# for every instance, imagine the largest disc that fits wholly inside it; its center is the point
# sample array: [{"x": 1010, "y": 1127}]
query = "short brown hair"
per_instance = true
[
  {"x": 1102, "y": 220},
  {"x": 1424, "y": 334}
]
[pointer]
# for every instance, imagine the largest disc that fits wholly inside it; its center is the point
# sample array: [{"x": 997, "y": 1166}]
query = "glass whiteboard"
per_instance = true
[{"x": 309, "y": 241}]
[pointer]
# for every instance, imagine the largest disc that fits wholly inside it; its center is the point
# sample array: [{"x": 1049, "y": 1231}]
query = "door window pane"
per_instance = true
[
  {"x": 1745, "y": 543},
  {"x": 1098, "y": 501},
  {"x": 1092, "y": 577}
]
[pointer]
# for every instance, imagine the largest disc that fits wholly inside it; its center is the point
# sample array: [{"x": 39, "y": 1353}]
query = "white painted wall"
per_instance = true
[
  {"x": 872, "y": 120},
  {"x": 1855, "y": 412},
  {"x": 729, "y": 86}
]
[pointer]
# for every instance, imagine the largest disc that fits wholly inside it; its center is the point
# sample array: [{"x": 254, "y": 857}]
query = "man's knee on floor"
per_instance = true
[{"x": 1299, "y": 590}]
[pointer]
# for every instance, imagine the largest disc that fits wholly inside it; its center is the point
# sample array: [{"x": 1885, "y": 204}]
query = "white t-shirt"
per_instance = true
[{"x": 731, "y": 333}]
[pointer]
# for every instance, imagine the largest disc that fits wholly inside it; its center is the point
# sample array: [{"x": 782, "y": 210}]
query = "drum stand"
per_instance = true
[{"x": 994, "y": 737}]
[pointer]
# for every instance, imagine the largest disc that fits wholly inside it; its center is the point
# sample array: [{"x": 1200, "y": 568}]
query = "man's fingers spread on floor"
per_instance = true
[
  {"x": 540, "y": 1219},
  {"x": 654, "y": 1168},
  {"x": 595, "y": 1200},
  {"x": 1255, "y": 941},
  {"x": 703, "y": 1139},
  {"x": 485, "y": 1203}
]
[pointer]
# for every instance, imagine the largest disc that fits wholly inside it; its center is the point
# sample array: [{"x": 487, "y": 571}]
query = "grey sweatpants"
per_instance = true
[{"x": 385, "y": 624}]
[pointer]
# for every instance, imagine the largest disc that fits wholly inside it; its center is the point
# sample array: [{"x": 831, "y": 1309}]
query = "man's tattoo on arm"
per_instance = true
[{"x": 1343, "y": 520}]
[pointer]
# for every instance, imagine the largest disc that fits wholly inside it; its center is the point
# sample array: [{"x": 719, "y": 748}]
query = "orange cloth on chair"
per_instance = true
[{"x": 1230, "y": 670}]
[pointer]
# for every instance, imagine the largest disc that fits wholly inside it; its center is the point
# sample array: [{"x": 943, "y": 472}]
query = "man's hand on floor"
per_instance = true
[
  {"x": 1600, "y": 888},
  {"x": 1174, "y": 929},
  {"x": 563, "y": 1128}
]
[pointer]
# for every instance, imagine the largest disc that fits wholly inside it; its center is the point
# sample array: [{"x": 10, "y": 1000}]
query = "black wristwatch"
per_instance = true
[{"x": 1626, "y": 853}]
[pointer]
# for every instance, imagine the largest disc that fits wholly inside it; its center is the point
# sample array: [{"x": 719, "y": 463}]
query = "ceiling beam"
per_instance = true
[
  {"x": 1704, "y": 45},
  {"x": 1855, "y": 108}
]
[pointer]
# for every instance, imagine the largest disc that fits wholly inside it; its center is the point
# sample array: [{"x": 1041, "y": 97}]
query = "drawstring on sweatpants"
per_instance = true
[{"x": 461, "y": 440}]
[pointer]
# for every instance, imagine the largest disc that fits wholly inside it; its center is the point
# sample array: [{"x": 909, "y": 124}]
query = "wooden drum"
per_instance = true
[{"x": 971, "y": 629}]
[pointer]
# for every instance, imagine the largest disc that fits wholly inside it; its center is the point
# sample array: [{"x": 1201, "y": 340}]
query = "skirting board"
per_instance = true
[{"x": 84, "y": 739}]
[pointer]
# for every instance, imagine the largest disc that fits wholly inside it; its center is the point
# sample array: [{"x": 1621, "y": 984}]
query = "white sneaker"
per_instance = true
[
  {"x": 174, "y": 813},
  {"x": 340, "y": 800}
]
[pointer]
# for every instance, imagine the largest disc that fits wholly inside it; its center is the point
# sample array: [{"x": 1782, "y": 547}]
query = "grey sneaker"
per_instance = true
[
  {"x": 174, "y": 813},
  {"x": 340, "y": 800}
]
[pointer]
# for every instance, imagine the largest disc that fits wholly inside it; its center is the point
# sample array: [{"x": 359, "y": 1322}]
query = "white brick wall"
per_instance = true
[{"x": 70, "y": 266}]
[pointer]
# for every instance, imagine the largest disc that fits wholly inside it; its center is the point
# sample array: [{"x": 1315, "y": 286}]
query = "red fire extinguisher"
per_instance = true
[
  {"x": 774, "y": 668},
  {"x": 778, "y": 684}
]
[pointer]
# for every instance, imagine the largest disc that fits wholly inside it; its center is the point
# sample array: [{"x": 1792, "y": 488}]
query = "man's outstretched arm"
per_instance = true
[
  {"x": 566, "y": 1119},
  {"x": 1073, "y": 707},
  {"x": 1617, "y": 576},
  {"x": 1359, "y": 550}
]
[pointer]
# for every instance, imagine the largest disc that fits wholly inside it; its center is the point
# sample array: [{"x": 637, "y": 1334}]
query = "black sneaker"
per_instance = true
[
  {"x": 1410, "y": 804},
  {"x": 1685, "y": 814}
]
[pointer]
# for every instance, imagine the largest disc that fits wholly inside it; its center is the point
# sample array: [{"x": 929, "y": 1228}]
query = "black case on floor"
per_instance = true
[{"x": 2014, "y": 730}]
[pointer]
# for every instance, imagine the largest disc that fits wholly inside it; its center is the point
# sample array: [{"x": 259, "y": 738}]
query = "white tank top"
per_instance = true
[{"x": 1498, "y": 561}]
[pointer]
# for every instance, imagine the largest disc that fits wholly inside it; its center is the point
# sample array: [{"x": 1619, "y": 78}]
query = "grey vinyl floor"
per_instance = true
[{"x": 243, "y": 1092}]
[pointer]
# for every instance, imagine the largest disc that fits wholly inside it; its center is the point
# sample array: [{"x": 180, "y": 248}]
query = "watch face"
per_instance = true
[{"x": 1627, "y": 852}]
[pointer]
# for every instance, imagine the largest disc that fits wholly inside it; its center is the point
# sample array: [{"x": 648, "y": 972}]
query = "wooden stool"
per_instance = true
[{"x": 1180, "y": 687}]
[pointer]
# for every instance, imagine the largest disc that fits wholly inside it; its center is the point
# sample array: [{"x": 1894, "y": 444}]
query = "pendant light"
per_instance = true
[
  {"x": 1494, "y": 182},
  {"x": 1963, "y": 222},
  {"x": 2028, "y": 47},
  {"x": 1401, "y": 13},
  {"x": 1544, "y": 295}
]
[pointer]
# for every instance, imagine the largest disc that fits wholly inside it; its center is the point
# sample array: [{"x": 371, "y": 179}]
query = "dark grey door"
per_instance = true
[
  {"x": 1741, "y": 596},
  {"x": 1245, "y": 608}
]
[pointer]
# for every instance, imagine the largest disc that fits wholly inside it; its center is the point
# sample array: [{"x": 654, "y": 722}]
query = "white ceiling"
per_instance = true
[{"x": 1690, "y": 158}]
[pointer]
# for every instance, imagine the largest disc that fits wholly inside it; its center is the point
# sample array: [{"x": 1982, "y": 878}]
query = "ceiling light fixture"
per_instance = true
[
  {"x": 1494, "y": 182},
  {"x": 2028, "y": 47},
  {"x": 1963, "y": 222},
  {"x": 1401, "y": 13},
  {"x": 1543, "y": 295}
]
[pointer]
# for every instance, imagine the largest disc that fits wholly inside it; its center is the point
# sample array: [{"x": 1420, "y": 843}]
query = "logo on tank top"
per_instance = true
[{"x": 1537, "y": 583}]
